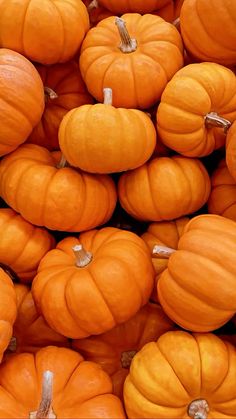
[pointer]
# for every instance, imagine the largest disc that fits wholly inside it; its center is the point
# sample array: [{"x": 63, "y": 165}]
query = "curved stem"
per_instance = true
[
  {"x": 198, "y": 409},
  {"x": 212, "y": 120},
  {"x": 163, "y": 251},
  {"x": 83, "y": 258},
  {"x": 62, "y": 163},
  {"x": 45, "y": 407},
  {"x": 49, "y": 93},
  {"x": 126, "y": 358},
  {"x": 92, "y": 5},
  {"x": 127, "y": 44},
  {"x": 176, "y": 23},
  {"x": 12, "y": 345},
  {"x": 107, "y": 95}
]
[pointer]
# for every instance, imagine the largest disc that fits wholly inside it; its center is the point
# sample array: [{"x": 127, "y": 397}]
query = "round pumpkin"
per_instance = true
[
  {"x": 197, "y": 108},
  {"x": 191, "y": 290},
  {"x": 208, "y": 30},
  {"x": 181, "y": 376},
  {"x": 8, "y": 310},
  {"x": 134, "y": 6},
  {"x": 115, "y": 349},
  {"x": 22, "y": 99},
  {"x": 165, "y": 188},
  {"x": 133, "y": 55},
  {"x": 90, "y": 284},
  {"x": 231, "y": 150},
  {"x": 47, "y": 32},
  {"x": 56, "y": 383},
  {"x": 103, "y": 139},
  {"x": 64, "y": 90},
  {"x": 59, "y": 198}
]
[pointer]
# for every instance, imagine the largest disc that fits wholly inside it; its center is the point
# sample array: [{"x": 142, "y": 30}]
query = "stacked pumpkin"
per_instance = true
[{"x": 118, "y": 220}]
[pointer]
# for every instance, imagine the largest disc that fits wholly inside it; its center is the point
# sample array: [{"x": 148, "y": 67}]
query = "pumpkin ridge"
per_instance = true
[
  {"x": 19, "y": 110},
  {"x": 149, "y": 182},
  {"x": 27, "y": 238},
  {"x": 44, "y": 208},
  {"x": 222, "y": 381},
  {"x": 23, "y": 26},
  {"x": 185, "y": 175},
  {"x": 63, "y": 31}
]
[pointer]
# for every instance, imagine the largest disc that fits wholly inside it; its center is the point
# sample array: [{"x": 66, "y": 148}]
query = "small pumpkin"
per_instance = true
[
  {"x": 90, "y": 284},
  {"x": 181, "y": 376},
  {"x": 8, "y": 310},
  {"x": 231, "y": 150},
  {"x": 103, "y": 139}
]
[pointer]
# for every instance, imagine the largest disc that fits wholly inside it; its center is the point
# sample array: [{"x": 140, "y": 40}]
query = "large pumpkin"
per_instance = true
[
  {"x": 22, "y": 99},
  {"x": 181, "y": 376},
  {"x": 134, "y": 55},
  {"x": 231, "y": 150},
  {"x": 47, "y": 32},
  {"x": 8, "y": 310},
  {"x": 90, "y": 284},
  {"x": 115, "y": 349},
  {"x": 56, "y": 383},
  {"x": 197, "y": 108},
  {"x": 165, "y": 188},
  {"x": 103, "y": 139},
  {"x": 198, "y": 288},
  {"x": 59, "y": 198},
  {"x": 134, "y": 6}
]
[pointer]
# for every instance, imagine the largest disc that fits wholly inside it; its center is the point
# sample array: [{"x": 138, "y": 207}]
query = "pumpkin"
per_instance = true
[
  {"x": 22, "y": 99},
  {"x": 171, "y": 11},
  {"x": 231, "y": 150},
  {"x": 115, "y": 349},
  {"x": 222, "y": 200},
  {"x": 197, "y": 108},
  {"x": 133, "y": 55},
  {"x": 56, "y": 383},
  {"x": 134, "y": 6},
  {"x": 64, "y": 90},
  {"x": 47, "y": 32},
  {"x": 181, "y": 376},
  {"x": 59, "y": 198},
  {"x": 191, "y": 290},
  {"x": 90, "y": 284},
  {"x": 8, "y": 310},
  {"x": 165, "y": 188},
  {"x": 103, "y": 139},
  {"x": 207, "y": 20}
]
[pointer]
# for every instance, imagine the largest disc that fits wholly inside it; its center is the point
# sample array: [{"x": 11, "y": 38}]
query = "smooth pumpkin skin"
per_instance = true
[
  {"x": 137, "y": 78},
  {"x": 78, "y": 302},
  {"x": 113, "y": 349},
  {"x": 197, "y": 290},
  {"x": 67, "y": 196},
  {"x": 45, "y": 31},
  {"x": 231, "y": 150},
  {"x": 222, "y": 200},
  {"x": 8, "y": 310},
  {"x": 80, "y": 389},
  {"x": 208, "y": 19},
  {"x": 164, "y": 188},
  {"x": 134, "y": 6},
  {"x": 171, "y": 11},
  {"x": 178, "y": 369},
  {"x": 22, "y": 245},
  {"x": 103, "y": 139},
  {"x": 22, "y": 99},
  {"x": 66, "y": 81},
  {"x": 195, "y": 91}
]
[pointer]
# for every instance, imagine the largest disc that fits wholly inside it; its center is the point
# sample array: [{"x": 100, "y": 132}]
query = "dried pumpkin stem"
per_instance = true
[
  {"x": 176, "y": 23},
  {"x": 212, "y": 120},
  {"x": 162, "y": 251},
  {"x": 92, "y": 5},
  {"x": 45, "y": 408},
  {"x": 126, "y": 358},
  {"x": 127, "y": 43},
  {"x": 83, "y": 258},
  {"x": 49, "y": 93},
  {"x": 12, "y": 345},
  {"x": 198, "y": 409},
  {"x": 107, "y": 95},
  {"x": 62, "y": 163}
]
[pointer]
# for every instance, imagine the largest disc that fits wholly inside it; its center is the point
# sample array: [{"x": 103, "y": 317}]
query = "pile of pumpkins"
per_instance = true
[{"x": 118, "y": 209}]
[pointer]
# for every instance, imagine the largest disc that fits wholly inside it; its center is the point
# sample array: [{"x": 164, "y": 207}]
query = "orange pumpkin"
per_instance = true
[
  {"x": 59, "y": 198},
  {"x": 146, "y": 193},
  {"x": 90, "y": 284},
  {"x": 197, "y": 108},
  {"x": 8, "y": 310},
  {"x": 231, "y": 150},
  {"x": 115, "y": 349},
  {"x": 64, "y": 90},
  {"x": 171, "y": 11},
  {"x": 214, "y": 23},
  {"x": 103, "y": 139},
  {"x": 191, "y": 290},
  {"x": 138, "y": 68},
  {"x": 134, "y": 6},
  {"x": 22, "y": 99},
  {"x": 56, "y": 383},
  {"x": 181, "y": 376},
  {"x": 47, "y": 32}
]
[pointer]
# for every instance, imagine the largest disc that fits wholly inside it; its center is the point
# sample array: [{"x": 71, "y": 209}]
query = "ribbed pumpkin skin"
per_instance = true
[
  {"x": 178, "y": 369},
  {"x": 22, "y": 99},
  {"x": 147, "y": 194},
  {"x": 197, "y": 290},
  {"x": 207, "y": 19},
  {"x": 195, "y": 91},
  {"x": 110, "y": 348},
  {"x": 21, "y": 383},
  {"x": 8, "y": 310},
  {"x": 137, "y": 78},
  {"x": 48, "y": 31},
  {"x": 231, "y": 150},
  {"x": 59, "y": 199},
  {"x": 133, "y": 6},
  {"x": 93, "y": 299},
  {"x": 103, "y": 139},
  {"x": 65, "y": 80}
]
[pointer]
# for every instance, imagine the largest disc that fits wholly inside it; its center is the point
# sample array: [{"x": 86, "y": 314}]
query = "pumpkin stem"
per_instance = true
[
  {"x": 83, "y": 258},
  {"x": 107, "y": 95},
  {"x": 92, "y": 5},
  {"x": 45, "y": 407},
  {"x": 212, "y": 120},
  {"x": 12, "y": 344},
  {"x": 176, "y": 23},
  {"x": 162, "y": 251},
  {"x": 126, "y": 358},
  {"x": 62, "y": 163},
  {"x": 198, "y": 409},
  {"x": 127, "y": 44},
  {"x": 49, "y": 93}
]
